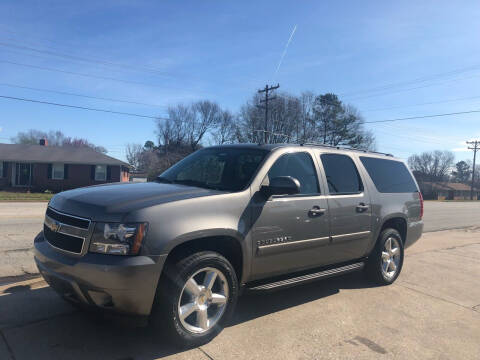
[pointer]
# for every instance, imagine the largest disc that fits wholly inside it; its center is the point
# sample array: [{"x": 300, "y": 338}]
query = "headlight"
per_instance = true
[{"x": 118, "y": 239}]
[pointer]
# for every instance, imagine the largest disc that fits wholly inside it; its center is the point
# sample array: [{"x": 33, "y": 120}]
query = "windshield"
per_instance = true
[{"x": 229, "y": 169}]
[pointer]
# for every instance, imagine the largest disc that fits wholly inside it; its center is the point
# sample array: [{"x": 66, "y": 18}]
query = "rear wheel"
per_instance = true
[
  {"x": 197, "y": 296},
  {"x": 386, "y": 260}
]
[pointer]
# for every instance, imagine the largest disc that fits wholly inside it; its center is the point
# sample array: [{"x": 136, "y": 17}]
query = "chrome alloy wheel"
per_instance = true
[
  {"x": 203, "y": 300},
  {"x": 390, "y": 257}
]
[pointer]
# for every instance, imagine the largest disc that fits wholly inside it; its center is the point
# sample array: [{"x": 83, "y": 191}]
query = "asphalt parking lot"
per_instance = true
[{"x": 431, "y": 312}]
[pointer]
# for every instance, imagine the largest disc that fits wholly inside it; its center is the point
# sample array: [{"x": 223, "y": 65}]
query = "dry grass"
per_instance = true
[{"x": 23, "y": 196}]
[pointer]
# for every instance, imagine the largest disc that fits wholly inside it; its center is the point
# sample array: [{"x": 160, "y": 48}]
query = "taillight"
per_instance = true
[{"x": 421, "y": 204}]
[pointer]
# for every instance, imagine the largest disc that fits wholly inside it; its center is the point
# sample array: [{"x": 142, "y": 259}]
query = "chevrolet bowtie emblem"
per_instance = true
[{"x": 53, "y": 225}]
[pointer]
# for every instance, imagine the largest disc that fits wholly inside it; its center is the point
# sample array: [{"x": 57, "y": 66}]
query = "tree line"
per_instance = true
[
  {"x": 322, "y": 118},
  {"x": 54, "y": 138},
  {"x": 440, "y": 166}
]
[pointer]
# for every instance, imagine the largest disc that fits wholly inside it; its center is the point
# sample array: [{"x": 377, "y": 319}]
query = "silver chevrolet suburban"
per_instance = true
[{"x": 227, "y": 218}]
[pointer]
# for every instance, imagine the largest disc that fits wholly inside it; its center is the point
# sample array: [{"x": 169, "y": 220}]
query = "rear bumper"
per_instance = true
[
  {"x": 122, "y": 284},
  {"x": 414, "y": 232}
]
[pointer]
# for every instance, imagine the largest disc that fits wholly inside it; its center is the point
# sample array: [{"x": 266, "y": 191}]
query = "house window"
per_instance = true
[
  {"x": 58, "y": 171},
  {"x": 100, "y": 173}
]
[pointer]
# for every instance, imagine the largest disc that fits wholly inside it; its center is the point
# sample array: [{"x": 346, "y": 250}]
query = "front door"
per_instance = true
[
  {"x": 290, "y": 232},
  {"x": 350, "y": 208},
  {"x": 23, "y": 174}
]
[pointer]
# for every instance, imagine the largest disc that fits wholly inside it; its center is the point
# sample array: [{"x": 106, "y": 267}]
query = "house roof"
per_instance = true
[
  {"x": 448, "y": 186},
  {"x": 56, "y": 154}
]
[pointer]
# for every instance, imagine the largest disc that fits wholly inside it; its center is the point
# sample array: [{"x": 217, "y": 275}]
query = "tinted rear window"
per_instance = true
[
  {"x": 389, "y": 176},
  {"x": 342, "y": 175}
]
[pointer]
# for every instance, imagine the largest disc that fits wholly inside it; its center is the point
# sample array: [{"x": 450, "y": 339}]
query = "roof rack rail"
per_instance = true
[{"x": 344, "y": 148}]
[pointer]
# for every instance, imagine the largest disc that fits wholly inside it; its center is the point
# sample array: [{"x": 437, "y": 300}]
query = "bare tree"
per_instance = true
[
  {"x": 432, "y": 166},
  {"x": 188, "y": 124},
  {"x": 306, "y": 125},
  {"x": 134, "y": 153},
  {"x": 285, "y": 116},
  {"x": 32, "y": 137},
  {"x": 224, "y": 132},
  {"x": 54, "y": 138},
  {"x": 173, "y": 131},
  {"x": 323, "y": 119},
  {"x": 250, "y": 120},
  {"x": 206, "y": 116}
]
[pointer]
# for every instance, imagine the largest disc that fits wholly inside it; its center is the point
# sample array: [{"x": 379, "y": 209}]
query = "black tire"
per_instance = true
[
  {"x": 375, "y": 264},
  {"x": 172, "y": 282}
]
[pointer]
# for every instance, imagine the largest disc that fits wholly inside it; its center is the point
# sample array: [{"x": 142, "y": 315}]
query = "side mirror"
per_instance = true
[{"x": 281, "y": 185}]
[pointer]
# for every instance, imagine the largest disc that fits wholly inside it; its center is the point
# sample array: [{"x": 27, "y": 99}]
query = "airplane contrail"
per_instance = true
[{"x": 285, "y": 50}]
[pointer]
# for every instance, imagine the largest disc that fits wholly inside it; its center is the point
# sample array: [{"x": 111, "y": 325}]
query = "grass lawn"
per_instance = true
[{"x": 18, "y": 196}]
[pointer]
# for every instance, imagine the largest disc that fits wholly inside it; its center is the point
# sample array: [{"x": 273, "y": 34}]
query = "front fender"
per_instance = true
[{"x": 222, "y": 215}]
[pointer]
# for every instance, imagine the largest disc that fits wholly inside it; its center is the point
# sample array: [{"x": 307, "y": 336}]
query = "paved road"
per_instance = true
[
  {"x": 20, "y": 222},
  {"x": 431, "y": 312},
  {"x": 441, "y": 215}
]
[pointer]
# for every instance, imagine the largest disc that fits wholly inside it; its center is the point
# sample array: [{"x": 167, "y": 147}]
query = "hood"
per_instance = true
[{"x": 111, "y": 202}]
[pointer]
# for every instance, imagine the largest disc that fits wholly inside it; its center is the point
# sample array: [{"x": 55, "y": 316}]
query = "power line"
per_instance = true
[
  {"x": 410, "y": 89},
  {"x": 411, "y": 138},
  {"x": 418, "y": 134},
  {"x": 84, "y": 59},
  {"x": 81, "y": 74},
  {"x": 81, "y": 107},
  {"x": 80, "y": 95},
  {"x": 413, "y": 81},
  {"x": 422, "y": 117},
  {"x": 266, "y": 113},
  {"x": 421, "y": 104}
]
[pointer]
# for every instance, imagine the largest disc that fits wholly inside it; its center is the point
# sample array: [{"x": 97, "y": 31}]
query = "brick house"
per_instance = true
[
  {"x": 447, "y": 191},
  {"x": 42, "y": 167}
]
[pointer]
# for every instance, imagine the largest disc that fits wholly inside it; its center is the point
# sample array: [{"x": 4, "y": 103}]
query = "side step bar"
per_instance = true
[{"x": 308, "y": 277}]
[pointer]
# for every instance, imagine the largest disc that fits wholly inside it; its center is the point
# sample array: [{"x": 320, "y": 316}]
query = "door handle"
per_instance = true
[
  {"x": 316, "y": 211},
  {"x": 362, "y": 207}
]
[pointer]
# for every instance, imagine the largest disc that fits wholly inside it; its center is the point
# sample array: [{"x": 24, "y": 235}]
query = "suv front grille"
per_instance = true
[
  {"x": 65, "y": 232},
  {"x": 68, "y": 219},
  {"x": 62, "y": 241}
]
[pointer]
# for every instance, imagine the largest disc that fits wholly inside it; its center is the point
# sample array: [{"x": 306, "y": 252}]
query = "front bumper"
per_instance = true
[{"x": 122, "y": 284}]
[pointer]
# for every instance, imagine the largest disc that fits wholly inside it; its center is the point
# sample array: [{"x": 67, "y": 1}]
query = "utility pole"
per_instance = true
[
  {"x": 475, "y": 147},
  {"x": 266, "y": 100}
]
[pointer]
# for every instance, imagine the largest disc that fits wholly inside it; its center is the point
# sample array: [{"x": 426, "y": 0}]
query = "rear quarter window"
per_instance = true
[{"x": 389, "y": 176}]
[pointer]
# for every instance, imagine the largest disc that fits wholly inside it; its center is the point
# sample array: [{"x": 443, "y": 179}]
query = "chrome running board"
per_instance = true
[{"x": 308, "y": 277}]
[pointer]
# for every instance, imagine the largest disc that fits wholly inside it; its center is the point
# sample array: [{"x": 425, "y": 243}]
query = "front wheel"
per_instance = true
[
  {"x": 198, "y": 295},
  {"x": 386, "y": 260}
]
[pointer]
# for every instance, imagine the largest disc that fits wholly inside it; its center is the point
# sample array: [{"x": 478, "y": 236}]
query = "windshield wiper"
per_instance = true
[{"x": 195, "y": 183}]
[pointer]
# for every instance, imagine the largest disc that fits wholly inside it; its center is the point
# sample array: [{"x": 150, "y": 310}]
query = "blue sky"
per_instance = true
[{"x": 180, "y": 51}]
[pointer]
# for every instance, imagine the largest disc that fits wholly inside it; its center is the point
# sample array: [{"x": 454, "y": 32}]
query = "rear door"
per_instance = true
[{"x": 349, "y": 207}]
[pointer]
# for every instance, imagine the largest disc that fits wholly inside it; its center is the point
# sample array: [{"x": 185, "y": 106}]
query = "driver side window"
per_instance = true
[{"x": 300, "y": 166}]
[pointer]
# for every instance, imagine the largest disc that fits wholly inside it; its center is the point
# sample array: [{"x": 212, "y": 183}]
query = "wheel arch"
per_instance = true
[
  {"x": 229, "y": 244},
  {"x": 398, "y": 223}
]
